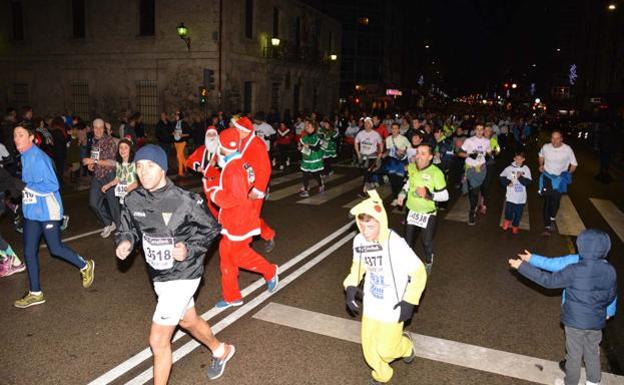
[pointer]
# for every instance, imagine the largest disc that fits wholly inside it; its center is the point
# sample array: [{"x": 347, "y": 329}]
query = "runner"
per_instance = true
[
  {"x": 368, "y": 149},
  {"x": 125, "y": 172},
  {"x": 490, "y": 167},
  {"x": 239, "y": 220},
  {"x": 283, "y": 145},
  {"x": 476, "y": 150},
  {"x": 329, "y": 137},
  {"x": 10, "y": 263},
  {"x": 254, "y": 152},
  {"x": 515, "y": 178},
  {"x": 395, "y": 279},
  {"x": 43, "y": 213},
  {"x": 204, "y": 161},
  {"x": 425, "y": 187},
  {"x": 557, "y": 163},
  {"x": 311, "y": 158},
  {"x": 396, "y": 160},
  {"x": 175, "y": 231}
]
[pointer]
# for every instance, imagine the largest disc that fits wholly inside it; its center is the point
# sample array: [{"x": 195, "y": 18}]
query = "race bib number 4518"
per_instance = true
[
  {"x": 158, "y": 251},
  {"x": 418, "y": 219}
]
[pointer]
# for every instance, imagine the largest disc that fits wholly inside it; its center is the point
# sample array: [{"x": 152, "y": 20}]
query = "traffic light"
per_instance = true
[
  {"x": 209, "y": 81},
  {"x": 203, "y": 95}
]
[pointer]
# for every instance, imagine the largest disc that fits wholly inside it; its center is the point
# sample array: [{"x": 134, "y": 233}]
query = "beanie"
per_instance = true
[{"x": 153, "y": 153}]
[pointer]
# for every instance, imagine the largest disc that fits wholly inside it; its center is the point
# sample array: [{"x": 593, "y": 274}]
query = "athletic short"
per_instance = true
[{"x": 174, "y": 299}]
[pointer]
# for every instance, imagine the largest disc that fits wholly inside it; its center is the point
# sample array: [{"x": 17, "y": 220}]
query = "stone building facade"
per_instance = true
[{"x": 104, "y": 58}]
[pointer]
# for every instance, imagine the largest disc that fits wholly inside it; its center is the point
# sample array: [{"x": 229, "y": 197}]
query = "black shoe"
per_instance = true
[
  {"x": 562, "y": 365},
  {"x": 472, "y": 219},
  {"x": 270, "y": 245},
  {"x": 410, "y": 359}
]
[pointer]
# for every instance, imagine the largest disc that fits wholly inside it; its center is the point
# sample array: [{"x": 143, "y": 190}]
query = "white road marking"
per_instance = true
[
  {"x": 568, "y": 220},
  {"x": 79, "y": 236},
  {"x": 612, "y": 214},
  {"x": 146, "y": 353},
  {"x": 331, "y": 193},
  {"x": 431, "y": 348},
  {"x": 460, "y": 209},
  {"x": 240, "y": 312},
  {"x": 285, "y": 178},
  {"x": 291, "y": 190},
  {"x": 525, "y": 223},
  {"x": 384, "y": 191}
]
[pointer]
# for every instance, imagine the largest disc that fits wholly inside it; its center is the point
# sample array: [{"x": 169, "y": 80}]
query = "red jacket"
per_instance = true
[
  {"x": 255, "y": 154},
  {"x": 382, "y": 131},
  {"x": 237, "y": 214},
  {"x": 285, "y": 137},
  {"x": 200, "y": 161}
]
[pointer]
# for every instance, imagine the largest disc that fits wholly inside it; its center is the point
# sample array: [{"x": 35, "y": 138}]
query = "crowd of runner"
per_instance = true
[{"x": 419, "y": 155}]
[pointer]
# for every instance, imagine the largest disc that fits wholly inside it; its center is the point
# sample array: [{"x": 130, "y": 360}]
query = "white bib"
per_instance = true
[
  {"x": 418, "y": 219},
  {"x": 158, "y": 252},
  {"x": 121, "y": 190},
  {"x": 28, "y": 198},
  {"x": 95, "y": 153}
]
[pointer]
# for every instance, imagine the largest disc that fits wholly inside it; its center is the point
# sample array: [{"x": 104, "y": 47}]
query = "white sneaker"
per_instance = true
[
  {"x": 288, "y": 162},
  {"x": 559, "y": 381},
  {"x": 108, "y": 230}
]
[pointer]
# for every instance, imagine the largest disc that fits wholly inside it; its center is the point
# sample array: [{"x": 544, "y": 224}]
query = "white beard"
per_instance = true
[{"x": 211, "y": 145}]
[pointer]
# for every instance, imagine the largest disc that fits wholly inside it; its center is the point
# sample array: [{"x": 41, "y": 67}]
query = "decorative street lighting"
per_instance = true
[
  {"x": 275, "y": 41},
  {"x": 427, "y": 46},
  {"x": 612, "y": 7},
  {"x": 183, "y": 33},
  {"x": 333, "y": 57},
  {"x": 558, "y": 49},
  {"x": 514, "y": 86}
]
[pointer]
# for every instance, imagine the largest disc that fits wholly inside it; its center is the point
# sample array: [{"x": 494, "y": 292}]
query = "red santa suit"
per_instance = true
[
  {"x": 238, "y": 220},
  {"x": 254, "y": 153},
  {"x": 204, "y": 160}
]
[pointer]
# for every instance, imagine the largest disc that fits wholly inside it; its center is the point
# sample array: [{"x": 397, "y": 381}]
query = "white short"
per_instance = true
[{"x": 174, "y": 299}]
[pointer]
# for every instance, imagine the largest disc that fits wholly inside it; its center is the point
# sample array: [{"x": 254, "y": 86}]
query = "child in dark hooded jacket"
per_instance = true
[{"x": 590, "y": 288}]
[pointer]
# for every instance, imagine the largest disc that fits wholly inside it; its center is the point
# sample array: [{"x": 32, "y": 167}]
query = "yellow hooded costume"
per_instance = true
[{"x": 393, "y": 274}]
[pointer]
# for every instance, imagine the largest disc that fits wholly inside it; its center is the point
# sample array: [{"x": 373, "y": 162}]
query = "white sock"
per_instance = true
[
  {"x": 35, "y": 292},
  {"x": 220, "y": 351}
]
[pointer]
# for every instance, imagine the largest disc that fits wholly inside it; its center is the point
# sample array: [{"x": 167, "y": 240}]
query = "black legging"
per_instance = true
[
  {"x": 306, "y": 179},
  {"x": 396, "y": 182},
  {"x": 551, "y": 207},
  {"x": 426, "y": 234}
]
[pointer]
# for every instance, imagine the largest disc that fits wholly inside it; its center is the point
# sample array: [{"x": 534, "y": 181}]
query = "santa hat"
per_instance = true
[
  {"x": 228, "y": 139},
  {"x": 244, "y": 124},
  {"x": 211, "y": 128}
]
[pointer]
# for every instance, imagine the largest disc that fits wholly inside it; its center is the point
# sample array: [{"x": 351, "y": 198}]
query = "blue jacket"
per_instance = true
[
  {"x": 560, "y": 263},
  {"x": 559, "y": 183},
  {"x": 590, "y": 284},
  {"x": 41, "y": 200}
]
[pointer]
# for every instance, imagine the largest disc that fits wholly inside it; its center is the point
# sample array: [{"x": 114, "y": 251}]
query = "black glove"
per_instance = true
[
  {"x": 407, "y": 309},
  {"x": 488, "y": 157},
  {"x": 473, "y": 155},
  {"x": 352, "y": 305}
]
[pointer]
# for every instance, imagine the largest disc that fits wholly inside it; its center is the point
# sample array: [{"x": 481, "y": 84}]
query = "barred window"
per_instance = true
[
  {"x": 80, "y": 99},
  {"x": 21, "y": 96},
  {"x": 147, "y": 101}
]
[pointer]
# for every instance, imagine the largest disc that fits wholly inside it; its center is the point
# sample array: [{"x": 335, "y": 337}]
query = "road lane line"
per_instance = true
[
  {"x": 525, "y": 223},
  {"x": 431, "y": 348},
  {"x": 331, "y": 193},
  {"x": 243, "y": 310},
  {"x": 292, "y": 190},
  {"x": 78, "y": 236},
  {"x": 146, "y": 353},
  {"x": 384, "y": 191},
  {"x": 612, "y": 214},
  {"x": 568, "y": 220},
  {"x": 284, "y": 178}
]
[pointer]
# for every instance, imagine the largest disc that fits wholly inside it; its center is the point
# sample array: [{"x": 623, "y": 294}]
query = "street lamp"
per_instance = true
[
  {"x": 514, "y": 86},
  {"x": 534, "y": 65},
  {"x": 275, "y": 41},
  {"x": 333, "y": 57},
  {"x": 427, "y": 46},
  {"x": 612, "y": 7},
  {"x": 183, "y": 33},
  {"x": 558, "y": 49}
]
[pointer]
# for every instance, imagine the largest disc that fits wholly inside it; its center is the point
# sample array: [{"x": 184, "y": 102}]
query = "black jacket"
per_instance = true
[
  {"x": 163, "y": 132},
  {"x": 170, "y": 212}
]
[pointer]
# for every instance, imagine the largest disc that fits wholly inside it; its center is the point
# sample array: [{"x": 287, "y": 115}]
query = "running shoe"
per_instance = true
[
  {"x": 223, "y": 304},
  {"x": 88, "y": 274},
  {"x": 217, "y": 365},
  {"x": 13, "y": 269},
  {"x": 65, "y": 222},
  {"x": 273, "y": 282},
  {"x": 506, "y": 225},
  {"x": 29, "y": 300},
  {"x": 270, "y": 245},
  {"x": 410, "y": 358},
  {"x": 321, "y": 189},
  {"x": 428, "y": 267},
  {"x": 483, "y": 209},
  {"x": 304, "y": 194},
  {"x": 108, "y": 230},
  {"x": 472, "y": 220},
  {"x": 515, "y": 230}
]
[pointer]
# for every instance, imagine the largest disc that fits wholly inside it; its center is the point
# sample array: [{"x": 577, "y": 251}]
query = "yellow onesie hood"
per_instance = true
[{"x": 374, "y": 207}]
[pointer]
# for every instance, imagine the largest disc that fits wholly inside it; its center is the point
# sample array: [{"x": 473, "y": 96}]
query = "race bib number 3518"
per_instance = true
[{"x": 158, "y": 251}]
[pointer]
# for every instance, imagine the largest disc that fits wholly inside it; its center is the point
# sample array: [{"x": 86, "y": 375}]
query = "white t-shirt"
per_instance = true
[
  {"x": 368, "y": 141},
  {"x": 352, "y": 131},
  {"x": 557, "y": 159},
  {"x": 516, "y": 193},
  {"x": 382, "y": 288},
  {"x": 399, "y": 143},
  {"x": 264, "y": 131},
  {"x": 299, "y": 127},
  {"x": 479, "y": 145}
]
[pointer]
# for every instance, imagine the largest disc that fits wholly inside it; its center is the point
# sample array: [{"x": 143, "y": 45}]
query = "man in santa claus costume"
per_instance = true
[
  {"x": 204, "y": 160},
  {"x": 254, "y": 152},
  {"x": 239, "y": 221}
]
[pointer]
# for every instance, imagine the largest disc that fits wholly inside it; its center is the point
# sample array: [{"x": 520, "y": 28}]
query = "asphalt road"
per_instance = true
[{"x": 472, "y": 297}]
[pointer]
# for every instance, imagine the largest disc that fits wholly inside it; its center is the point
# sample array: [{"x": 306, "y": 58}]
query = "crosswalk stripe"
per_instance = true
[
  {"x": 294, "y": 189},
  {"x": 612, "y": 214},
  {"x": 460, "y": 209},
  {"x": 568, "y": 220},
  {"x": 437, "y": 349},
  {"x": 331, "y": 193},
  {"x": 284, "y": 178},
  {"x": 384, "y": 192},
  {"x": 525, "y": 224}
]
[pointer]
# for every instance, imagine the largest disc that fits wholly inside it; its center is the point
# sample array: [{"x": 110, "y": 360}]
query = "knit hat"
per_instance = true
[
  {"x": 153, "y": 153},
  {"x": 228, "y": 139},
  {"x": 243, "y": 123}
]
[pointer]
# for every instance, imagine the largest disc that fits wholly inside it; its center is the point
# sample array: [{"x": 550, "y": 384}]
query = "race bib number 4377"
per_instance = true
[{"x": 158, "y": 251}]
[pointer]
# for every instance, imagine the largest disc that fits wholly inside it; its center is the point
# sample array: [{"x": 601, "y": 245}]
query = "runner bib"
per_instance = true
[
  {"x": 418, "y": 219},
  {"x": 121, "y": 190},
  {"x": 95, "y": 153},
  {"x": 28, "y": 198},
  {"x": 306, "y": 151},
  {"x": 158, "y": 252}
]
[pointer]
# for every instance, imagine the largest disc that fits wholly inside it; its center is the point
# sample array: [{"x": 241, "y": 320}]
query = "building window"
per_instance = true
[
  {"x": 80, "y": 98},
  {"x": 78, "y": 17},
  {"x": 17, "y": 20},
  {"x": 296, "y": 92},
  {"x": 247, "y": 95},
  {"x": 21, "y": 96},
  {"x": 147, "y": 18},
  {"x": 275, "y": 96},
  {"x": 275, "y": 22},
  {"x": 249, "y": 19},
  {"x": 147, "y": 101}
]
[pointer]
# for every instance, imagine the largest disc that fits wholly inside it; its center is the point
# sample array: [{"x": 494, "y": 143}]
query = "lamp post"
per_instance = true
[
  {"x": 183, "y": 33},
  {"x": 275, "y": 41},
  {"x": 333, "y": 57}
]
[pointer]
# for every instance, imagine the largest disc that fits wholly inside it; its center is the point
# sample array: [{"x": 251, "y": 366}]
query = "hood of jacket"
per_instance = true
[
  {"x": 374, "y": 207},
  {"x": 593, "y": 244}
]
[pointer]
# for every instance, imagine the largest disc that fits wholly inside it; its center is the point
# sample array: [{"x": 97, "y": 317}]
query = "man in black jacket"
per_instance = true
[
  {"x": 175, "y": 231},
  {"x": 164, "y": 133}
]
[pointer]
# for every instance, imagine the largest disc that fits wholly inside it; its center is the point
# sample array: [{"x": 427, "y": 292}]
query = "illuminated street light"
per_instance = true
[
  {"x": 534, "y": 65},
  {"x": 427, "y": 46},
  {"x": 333, "y": 57},
  {"x": 514, "y": 86},
  {"x": 275, "y": 42},
  {"x": 183, "y": 34},
  {"x": 558, "y": 49},
  {"x": 612, "y": 7},
  {"x": 538, "y": 100}
]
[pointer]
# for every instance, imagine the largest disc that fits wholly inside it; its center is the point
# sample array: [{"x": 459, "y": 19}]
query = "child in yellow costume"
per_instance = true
[{"x": 395, "y": 279}]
